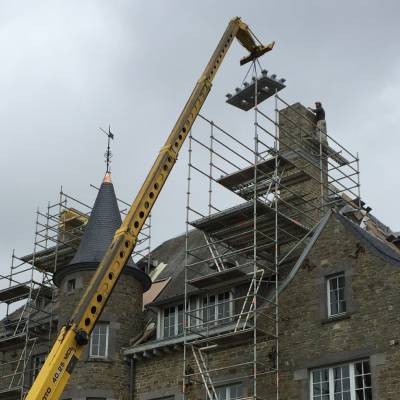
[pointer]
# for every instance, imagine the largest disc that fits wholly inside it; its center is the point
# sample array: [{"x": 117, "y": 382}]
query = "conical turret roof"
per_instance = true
[{"x": 104, "y": 220}]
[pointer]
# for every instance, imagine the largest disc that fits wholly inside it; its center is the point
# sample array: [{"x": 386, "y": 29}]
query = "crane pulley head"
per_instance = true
[
  {"x": 249, "y": 40},
  {"x": 257, "y": 52}
]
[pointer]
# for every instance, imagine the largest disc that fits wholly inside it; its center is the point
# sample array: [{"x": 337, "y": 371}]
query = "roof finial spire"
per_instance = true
[{"x": 108, "y": 154}]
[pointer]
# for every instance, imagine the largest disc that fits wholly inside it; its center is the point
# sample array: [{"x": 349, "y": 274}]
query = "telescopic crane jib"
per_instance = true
[{"x": 72, "y": 338}]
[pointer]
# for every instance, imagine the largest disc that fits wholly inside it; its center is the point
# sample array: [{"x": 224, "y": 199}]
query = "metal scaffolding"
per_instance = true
[
  {"x": 258, "y": 205},
  {"x": 28, "y": 297}
]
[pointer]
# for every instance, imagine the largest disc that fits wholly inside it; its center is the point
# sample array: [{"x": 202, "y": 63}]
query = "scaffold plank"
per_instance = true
[
  {"x": 12, "y": 340},
  {"x": 23, "y": 290},
  {"x": 217, "y": 277},
  {"x": 242, "y": 182},
  {"x": 14, "y": 293},
  {"x": 330, "y": 152},
  {"x": 268, "y": 186},
  {"x": 265, "y": 169},
  {"x": 50, "y": 259},
  {"x": 232, "y": 338},
  {"x": 336, "y": 156},
  {"x": 235, "y": 226}
]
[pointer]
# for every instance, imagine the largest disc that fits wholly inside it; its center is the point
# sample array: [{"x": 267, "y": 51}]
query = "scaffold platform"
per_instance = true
[
  {"x": 235, "y": 227},
  {"x": 220, "y": 277}
]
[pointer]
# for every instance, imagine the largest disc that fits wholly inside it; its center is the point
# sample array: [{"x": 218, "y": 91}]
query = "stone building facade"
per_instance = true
[
  {"x": 310, "y": 340},
  {"x": 337, "y": 307},
  {"x": 338, "y": 314}
]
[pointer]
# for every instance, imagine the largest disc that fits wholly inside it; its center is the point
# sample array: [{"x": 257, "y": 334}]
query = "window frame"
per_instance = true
[
  {"x": 352, "y": 377},
  {"x": 227, "y": 388},
  {"x": 328, "y": 295},
  {"x": 178, "y": 320},
  {"x": 205, "y": 322},
  {"x": 106, "y": 348},
  {"x": 195, "y": 313}
]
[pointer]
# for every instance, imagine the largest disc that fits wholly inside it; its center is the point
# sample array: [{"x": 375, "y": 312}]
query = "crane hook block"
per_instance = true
[{"x": 82, "y": 338}]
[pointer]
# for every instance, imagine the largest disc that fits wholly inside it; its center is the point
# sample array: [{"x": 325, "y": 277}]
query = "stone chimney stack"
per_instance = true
[{"x": 299, "y": 143}]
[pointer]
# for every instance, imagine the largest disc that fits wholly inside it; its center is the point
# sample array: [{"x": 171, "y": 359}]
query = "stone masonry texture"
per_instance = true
[
  {"x": 107, "y": 378},
  {"x": 307, "y": 338}
]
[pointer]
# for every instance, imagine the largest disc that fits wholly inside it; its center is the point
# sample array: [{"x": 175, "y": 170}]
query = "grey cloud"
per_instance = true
[{"x": 69, "y": 67}]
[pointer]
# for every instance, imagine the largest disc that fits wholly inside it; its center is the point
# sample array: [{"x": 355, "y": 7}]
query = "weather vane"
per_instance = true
[{"x": 108, "y": 154}]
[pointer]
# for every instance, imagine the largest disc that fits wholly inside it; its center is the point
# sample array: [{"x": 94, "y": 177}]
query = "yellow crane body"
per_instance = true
[{"x": 68, "y": 347}]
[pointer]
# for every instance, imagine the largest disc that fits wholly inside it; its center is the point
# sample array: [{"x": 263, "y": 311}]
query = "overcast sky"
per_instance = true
[{"x": 69, "y": 67}]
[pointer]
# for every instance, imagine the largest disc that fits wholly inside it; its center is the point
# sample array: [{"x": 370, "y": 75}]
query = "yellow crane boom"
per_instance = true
[{"x": 67, "y": 349}]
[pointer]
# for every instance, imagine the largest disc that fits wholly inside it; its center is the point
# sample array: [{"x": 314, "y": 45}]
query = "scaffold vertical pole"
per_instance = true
[
  {"x": 276, "y": 247},
  {"x": 255, "y": 194},
  {"x": 211, "y": 168},
  {"x": 186, "y": 320}
]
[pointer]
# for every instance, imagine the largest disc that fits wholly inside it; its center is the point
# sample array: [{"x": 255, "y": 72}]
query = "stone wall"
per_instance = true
[
  {"x": 108, "y": 378},
  {"x": 296, "y": 131},
  {"x": 308, "y": 339}
]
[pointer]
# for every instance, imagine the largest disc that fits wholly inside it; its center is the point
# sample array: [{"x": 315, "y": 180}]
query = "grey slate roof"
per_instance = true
[
  {"x": 380, "y": 248},
  {"x": 104, "y": 220},
  {"x": 172, "y": 253}
]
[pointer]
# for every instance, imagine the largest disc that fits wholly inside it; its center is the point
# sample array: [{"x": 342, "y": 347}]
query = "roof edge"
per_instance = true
[
  {"x": 377, "y": 246},
  {"x": 137, "y": 273}
]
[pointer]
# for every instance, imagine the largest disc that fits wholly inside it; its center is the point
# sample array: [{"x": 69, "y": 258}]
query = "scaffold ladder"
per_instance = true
[
  {"x": 250, "y": 302},
  {"x": 205, "y": 376}
]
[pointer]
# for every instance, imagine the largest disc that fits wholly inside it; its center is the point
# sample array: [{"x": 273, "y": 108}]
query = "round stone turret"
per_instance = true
[{"x": 101, "y": 372}]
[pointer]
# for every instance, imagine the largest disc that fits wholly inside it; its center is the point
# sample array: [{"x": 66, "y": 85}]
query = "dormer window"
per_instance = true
[
  {"x": 172, "y": 321},
  {"x": 203, "y": 311},
  {"x": 217, "y": 308}
]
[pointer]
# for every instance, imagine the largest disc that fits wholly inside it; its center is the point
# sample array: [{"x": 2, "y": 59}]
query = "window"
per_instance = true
[
  {"x": 193, "y": 312},
  {"x": 173, "y": 321},
  {"x": 71, "y": 285},
  {"x": 343, "y": 382},
  {"x": 99, "y": 340},
  {"x": 217, "y": 307},
  {"x": 230, "y": 392},
  {"x": 336, "y": 295},
  {"x": 37, "y": 363}
]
